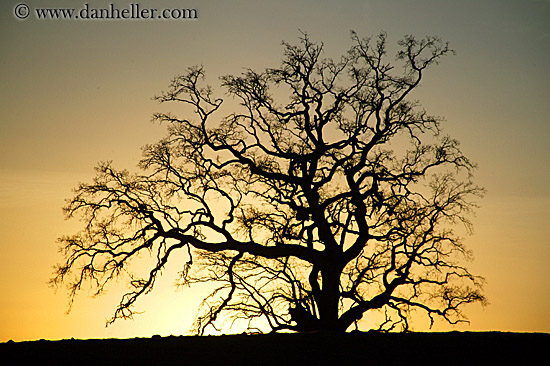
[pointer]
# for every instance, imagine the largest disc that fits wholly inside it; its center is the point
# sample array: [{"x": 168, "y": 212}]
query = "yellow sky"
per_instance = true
[{"x": 78, "y": 92}]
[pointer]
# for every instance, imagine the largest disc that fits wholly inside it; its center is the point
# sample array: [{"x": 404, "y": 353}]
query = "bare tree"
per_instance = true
[{"x": 309, "y": 213}]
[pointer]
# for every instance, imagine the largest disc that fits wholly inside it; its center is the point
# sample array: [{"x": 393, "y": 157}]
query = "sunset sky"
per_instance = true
[{"x": 76, "y": 92}]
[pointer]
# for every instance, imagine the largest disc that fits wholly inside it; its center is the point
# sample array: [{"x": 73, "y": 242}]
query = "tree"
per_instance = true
[{"x": 309, "y": 214}]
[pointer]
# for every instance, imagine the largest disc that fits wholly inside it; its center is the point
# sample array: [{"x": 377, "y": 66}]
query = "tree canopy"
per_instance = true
[{"x": 326, "y": 194}]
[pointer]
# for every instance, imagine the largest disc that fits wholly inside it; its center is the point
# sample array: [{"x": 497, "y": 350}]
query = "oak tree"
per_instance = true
[{"x": 326, "y": 194}]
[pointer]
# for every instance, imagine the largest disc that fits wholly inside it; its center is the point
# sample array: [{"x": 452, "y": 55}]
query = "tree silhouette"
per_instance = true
[{"x": 308, "y": 213}]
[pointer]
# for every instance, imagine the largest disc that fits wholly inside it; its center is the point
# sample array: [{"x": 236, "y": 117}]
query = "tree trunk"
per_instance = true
[{"x": 329, "y": 300}]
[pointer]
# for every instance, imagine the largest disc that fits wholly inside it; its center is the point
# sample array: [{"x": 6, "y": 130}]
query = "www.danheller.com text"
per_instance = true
[{"x": 133, "y": 11}]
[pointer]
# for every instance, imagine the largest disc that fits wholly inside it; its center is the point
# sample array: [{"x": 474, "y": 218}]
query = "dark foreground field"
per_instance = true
[{"x": 454, "y": 348}]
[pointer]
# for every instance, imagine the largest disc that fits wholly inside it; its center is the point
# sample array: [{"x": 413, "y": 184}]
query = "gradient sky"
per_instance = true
[{"x": 78, "y": 92}]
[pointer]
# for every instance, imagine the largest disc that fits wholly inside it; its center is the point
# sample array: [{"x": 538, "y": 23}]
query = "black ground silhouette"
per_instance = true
[{"x": 452, "y": 348}]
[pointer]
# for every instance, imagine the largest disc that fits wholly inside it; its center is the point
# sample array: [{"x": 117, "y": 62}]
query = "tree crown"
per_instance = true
[{"x": 324, "y": 195}]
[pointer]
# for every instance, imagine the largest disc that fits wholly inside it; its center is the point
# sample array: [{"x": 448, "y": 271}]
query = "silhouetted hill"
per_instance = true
[{"x": 453, "y": 348}]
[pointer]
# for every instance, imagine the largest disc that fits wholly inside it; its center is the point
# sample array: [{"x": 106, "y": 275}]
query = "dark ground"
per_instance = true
[{"x": 453, "y": 348}]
